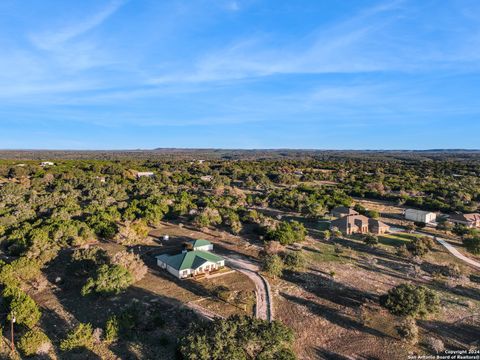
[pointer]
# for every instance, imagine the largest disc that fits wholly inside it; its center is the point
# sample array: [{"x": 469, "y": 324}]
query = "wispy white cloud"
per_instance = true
[
  {"x": 62, "y": 77},
  {"x": 51, "y": 39},
  {"x": 376, "y": 39},
  {"x": 324, "y": 50}
]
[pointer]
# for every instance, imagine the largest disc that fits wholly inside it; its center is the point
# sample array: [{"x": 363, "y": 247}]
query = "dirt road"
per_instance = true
[{"x": 264, "y": 308}]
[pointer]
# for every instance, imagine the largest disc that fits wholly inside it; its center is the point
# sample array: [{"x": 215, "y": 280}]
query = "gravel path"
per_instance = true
[
  {"x": 452, "y": 250},
  {"x": 458, "y": 254},
  {"x": 264, "y": 308}
]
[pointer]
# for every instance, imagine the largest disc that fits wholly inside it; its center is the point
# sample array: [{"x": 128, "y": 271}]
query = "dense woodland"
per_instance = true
[{"x": 44, "y": 211}]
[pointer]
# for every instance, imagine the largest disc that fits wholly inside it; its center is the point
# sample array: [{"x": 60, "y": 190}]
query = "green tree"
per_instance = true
[
  {"x": 410, "y": 300},
  {"x": 288, "y": 232},
  {"x": 273, "y": 265},
  {"x": 80, "y": 337},
  {"x": 20, "y": 305},
  {"x": 472, "y": 243},
  {"x": 34, "y": 342},
  {"x": 208, "y": 216},
  {"x": 109, "y": 280},
  {"x": 112, "y": 329},
  {"x": 238, "y": 338},
  {"x": 327, "y": 234},
  {"x": 420, "y": 246},
  {"x": 294, "y": 260}
]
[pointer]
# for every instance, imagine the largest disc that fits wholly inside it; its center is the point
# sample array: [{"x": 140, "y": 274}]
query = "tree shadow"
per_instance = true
[
  {"x": 458, "y": 335},
  {"x": 325, "y": 287},
  {"x": 334, "y": 316},
  {"x": 325, "y": 354},
  {"x": 362, "y": 248},
  {"x": 79, "y": 354}
]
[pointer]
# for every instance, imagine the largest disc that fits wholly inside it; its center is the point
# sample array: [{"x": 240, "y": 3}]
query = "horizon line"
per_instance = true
[{"x": 243, "y": 149}]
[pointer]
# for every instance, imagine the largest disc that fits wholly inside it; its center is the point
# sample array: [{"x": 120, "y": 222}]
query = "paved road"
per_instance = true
[
  {"x": 458, "y": 254},
  {"x": 264, "y": 308},
  {"x": 452, "y": 250}
]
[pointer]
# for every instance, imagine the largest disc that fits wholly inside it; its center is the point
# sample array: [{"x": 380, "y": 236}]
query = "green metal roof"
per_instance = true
[
  {"x": 199, "y": 242},
  {"x": 189, "y": 260}
]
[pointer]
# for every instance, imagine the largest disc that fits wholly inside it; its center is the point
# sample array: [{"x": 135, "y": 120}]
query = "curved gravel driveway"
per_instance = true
[{"x": 264, "y": 308}]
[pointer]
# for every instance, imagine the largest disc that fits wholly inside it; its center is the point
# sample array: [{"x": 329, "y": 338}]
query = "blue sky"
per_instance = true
[{"x": 324, "y": 74}]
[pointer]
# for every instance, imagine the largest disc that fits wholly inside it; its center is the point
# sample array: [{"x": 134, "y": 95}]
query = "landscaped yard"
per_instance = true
[{"x": 397, "y": 239}]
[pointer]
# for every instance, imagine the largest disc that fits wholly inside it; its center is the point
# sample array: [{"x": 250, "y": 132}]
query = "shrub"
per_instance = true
[
  {"x": 370, "y": 240},
  {"x": 238, "y": 337},
  {"x": 222, "y": 292},
  {"x": 410, "y": 300},
  {"x": 132, "y": 263},
  {"x": 402, "y": 251},
  {"x": 326, "y": 234},
  {"x": 435, "y": 345},
  {"x": 110, "y": 279},
  {"x": 34, "y": 342},
  {"x": 132, "y": 233},
  {"x": 294, "y": 260},
  {"x": 81, "y": 336},
  {"x": 273, "y": 265},
  {"x": 112, "y": 329},
  {"x": 408, "y": 330},
  {"x": 472, "y": 243},
  {"x": 338, "y": 248},
  {"x": 207, "y": 217},
  {"x": 21, "y": 305},
  {"x": 445, "y": 226},
  {"x": 420, "y": 246},
  {"x": 453, "y": 271}
]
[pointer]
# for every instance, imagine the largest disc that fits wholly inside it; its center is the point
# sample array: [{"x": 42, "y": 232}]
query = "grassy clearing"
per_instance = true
[
  {"x": 321, "y": 252},
  {"x": 397, "y": 239}
]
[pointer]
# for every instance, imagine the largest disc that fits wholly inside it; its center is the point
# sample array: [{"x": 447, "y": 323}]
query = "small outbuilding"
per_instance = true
[{"x": 200, "y": 244}]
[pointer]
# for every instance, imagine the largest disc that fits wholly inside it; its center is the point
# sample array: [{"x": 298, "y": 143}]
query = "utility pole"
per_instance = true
[{"x": 12, "y": 321}]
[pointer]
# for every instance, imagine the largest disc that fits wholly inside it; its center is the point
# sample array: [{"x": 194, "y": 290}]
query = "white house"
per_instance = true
[
  {"x": 145, "y": 174},
  {"x": 190, "y": 263},
  {"x": 420, "y": 216},
  {"x": 46, "y": 163}
]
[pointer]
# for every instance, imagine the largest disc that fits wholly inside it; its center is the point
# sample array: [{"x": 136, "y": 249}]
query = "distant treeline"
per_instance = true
[{"x": 233, "y": 154}]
